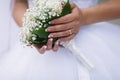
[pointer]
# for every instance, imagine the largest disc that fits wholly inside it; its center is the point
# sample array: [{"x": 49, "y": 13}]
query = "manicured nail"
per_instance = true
[
  {"x": 49, "y": 22},
  {"x": 50, "y": 36},
  {"x": 45, "y": 47},
  {"x": 57, "y": 43},
  {"x": 46, "y": 30},
  {"x": 63, "y": 4},
  {"x": 51, "y": 39}
]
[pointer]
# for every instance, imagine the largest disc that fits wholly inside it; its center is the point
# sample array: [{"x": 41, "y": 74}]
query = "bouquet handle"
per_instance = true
[{"x": 78, "y": 54}]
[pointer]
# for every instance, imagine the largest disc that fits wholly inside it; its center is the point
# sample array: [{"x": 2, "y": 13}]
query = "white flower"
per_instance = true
[{"x": 35, "y": 17}]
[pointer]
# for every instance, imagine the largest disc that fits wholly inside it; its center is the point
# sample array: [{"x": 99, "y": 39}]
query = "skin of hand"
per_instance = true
[{"x": 66, "y": 27}]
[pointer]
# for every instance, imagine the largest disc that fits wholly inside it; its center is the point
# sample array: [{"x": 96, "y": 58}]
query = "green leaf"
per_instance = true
[
  {"x": 66, "y": 9},
  {"x": 41, "y": 33}
]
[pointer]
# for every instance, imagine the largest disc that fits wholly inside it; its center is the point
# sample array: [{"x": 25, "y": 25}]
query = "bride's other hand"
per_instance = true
[
  {"x": 48, "y": 46},
  {"x": 66, "y": 27},
  {"x": 43, "y": 48}
]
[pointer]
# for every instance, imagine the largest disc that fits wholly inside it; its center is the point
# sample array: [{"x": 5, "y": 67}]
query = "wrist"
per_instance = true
[{"x": 85, "y": 17}]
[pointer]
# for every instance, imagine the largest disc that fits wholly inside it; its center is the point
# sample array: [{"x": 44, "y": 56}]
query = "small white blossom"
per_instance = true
[
  {"x": 33, "y": 38},
  {"x": 35, "y": 17}
]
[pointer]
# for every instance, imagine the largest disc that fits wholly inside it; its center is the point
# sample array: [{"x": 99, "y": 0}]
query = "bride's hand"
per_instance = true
[
  {"x": 66, "y": 27},
  {"x": 48, "y": 46}
]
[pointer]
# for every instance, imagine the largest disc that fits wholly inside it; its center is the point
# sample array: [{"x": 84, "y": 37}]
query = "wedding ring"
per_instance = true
[{"x": 70, "y": 32}]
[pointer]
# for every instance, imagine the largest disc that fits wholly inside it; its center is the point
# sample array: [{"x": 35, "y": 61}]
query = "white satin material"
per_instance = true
[
  {"x": 8, "y": 29},
  {"x": 4, "y": 25}
]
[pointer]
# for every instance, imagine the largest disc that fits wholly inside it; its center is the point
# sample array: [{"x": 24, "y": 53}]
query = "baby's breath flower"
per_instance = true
[{"x": 36, "y": 17}]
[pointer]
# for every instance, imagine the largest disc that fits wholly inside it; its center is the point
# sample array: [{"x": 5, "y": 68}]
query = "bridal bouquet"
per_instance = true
[{"x": 37, "y": 18}]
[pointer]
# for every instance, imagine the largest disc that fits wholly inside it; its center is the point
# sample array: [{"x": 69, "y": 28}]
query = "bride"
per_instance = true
[{"x": 99, "y": 41}]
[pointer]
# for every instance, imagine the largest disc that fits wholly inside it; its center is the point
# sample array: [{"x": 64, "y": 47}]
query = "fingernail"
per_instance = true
[
  {"x": 57, "y": 42},
  {"x": 46, "y": 30},
  {"x": 50, "y": 22},
  {"x": 50, "y": 36},
  {"x": 51, "y": 39},
  {"x": 45, "y": 47},
  {"x": 63, "y": 4}
]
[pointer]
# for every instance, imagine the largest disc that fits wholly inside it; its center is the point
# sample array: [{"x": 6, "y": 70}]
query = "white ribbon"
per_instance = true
[{"x": 77, "y": 52}]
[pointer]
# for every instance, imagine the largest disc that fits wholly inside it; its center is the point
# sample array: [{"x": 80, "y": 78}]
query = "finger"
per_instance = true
[
  {"x": 56, "y": 46},
  {"x": 49, "y": 44},
  {"x": 63, "y": 27},
  {"x": 64, "y": 19},
  {"x": 61, "y": 34},
  {"x": 72, "y": 5},
  {"x": 58, "y": 28},
  {"x": 43, "y": 49},
  {"x": 67, "y": 38}
]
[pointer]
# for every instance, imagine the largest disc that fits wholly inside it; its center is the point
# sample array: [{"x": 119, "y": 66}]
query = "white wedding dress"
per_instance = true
[
  {"x": 99, "y": 42},
  {"x": 8, "y": 29}
]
